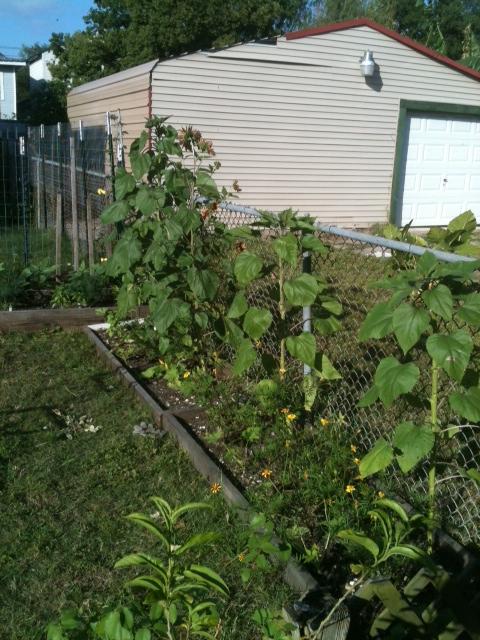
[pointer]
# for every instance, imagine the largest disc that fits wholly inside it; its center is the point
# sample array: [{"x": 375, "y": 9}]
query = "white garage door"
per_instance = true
[{"x": 441, "y": 169}]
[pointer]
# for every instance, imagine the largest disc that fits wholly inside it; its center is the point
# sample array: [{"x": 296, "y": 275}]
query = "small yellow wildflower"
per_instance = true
[
  {"x": 284, "y": 410},
  {"x": 288, "y": 444},
  {"x": 353, "y": 448},
  {"x": 349, "y": 488},
  {"x": 324, "y": 422},
  {"x": 258, "y": 344},
  {"x": 215, "y": 488},
  {"x": 186, "y": 375},
  {"x": 103, "y": 259},
  {"x": 241, "y": 557},
  {"x": 282, "y": 371},
  {"x": 291, "y": 417},
  {"x": 101, "y": 192},
  {"x": 305, "y": 475},
  {"x": 356, "y": 460},
  {"x": 381, "y": 495},
  {"x": 266, "y": 473}
]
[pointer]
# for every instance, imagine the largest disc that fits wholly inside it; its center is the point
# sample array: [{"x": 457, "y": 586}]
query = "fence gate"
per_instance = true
[{"x": 14, "y": 241}]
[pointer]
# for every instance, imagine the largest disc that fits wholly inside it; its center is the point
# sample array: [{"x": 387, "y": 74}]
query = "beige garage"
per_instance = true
[{"x": 296, "y": 122}]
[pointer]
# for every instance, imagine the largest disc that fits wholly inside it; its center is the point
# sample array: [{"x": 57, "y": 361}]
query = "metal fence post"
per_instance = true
[
  {"x": 73, "y": 182},
  {"x": 307, "y": 311},
  {"x": 58, "y": 235},
  {"x": 23, "y": 176},
  {"x": 44, "y": 183}
]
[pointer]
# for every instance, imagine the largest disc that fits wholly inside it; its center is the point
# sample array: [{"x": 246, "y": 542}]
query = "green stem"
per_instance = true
[
  {"x": 432, "y": 472},
  {"x": 281, "y": 309}
]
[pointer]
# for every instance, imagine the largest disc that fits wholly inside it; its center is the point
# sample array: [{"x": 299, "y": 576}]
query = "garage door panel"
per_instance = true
[{"x": 441, "y": 175}]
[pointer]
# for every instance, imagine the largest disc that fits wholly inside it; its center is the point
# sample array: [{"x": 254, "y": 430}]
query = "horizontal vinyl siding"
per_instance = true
[
  {"x": 128, "y": 91},
  {"x": 311, "y": 134}
]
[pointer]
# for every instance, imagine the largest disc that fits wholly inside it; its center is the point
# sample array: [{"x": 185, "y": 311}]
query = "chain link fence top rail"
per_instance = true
[{"x": 354, "y": 262}]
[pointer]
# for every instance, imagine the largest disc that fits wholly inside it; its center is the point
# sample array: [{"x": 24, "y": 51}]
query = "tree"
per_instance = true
[{"x": 122, "y": 33}]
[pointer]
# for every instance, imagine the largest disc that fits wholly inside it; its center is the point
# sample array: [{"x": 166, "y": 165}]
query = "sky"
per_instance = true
[{"x": 29, "y": 21}]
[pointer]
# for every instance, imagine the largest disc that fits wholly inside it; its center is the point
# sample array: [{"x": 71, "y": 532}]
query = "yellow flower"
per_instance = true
[
  {"x": 349, "y": 488},
  {"x": 324, "y": 422},
  {"x": 291, "y": 417},
  {"x": 305, "y": 475},
  {"x": 186, "y": 375},
  {"x": 258, "y": 344},
  {"x": 215, "y": 488},
  {"x": 284, "y": 410},
  {"x": 101, "y": 192},
  {"x": 288, "y": 444},
  {"x": 266, "y": 473},
  {"x": 241, "y": 557},
  {"x": 103, "y": 259},
  {"x": 381, "y": 495},
  {"x": 356, "y": 460},
  {"x": 282, "y": 370},
  {"x": 353, "y": 448}
]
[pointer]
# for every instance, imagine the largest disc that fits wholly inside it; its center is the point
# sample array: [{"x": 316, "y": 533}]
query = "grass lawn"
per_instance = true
[{"x": 62, "y": 498}]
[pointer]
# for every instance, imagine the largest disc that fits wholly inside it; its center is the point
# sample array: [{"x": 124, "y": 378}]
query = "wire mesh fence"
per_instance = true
[
  {"x": 50, "y": 203},
  {"x": 354, "y": 262}
]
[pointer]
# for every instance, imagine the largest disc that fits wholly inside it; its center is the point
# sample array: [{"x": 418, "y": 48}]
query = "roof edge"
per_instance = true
[{"x": 408, "y": 42}]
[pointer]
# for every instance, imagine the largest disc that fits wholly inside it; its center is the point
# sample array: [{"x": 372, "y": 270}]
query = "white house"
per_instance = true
[
  {"x": 300, "y": 123},
  {"x": 38, "y": 67},
  {"x": 8, "y": 87}
]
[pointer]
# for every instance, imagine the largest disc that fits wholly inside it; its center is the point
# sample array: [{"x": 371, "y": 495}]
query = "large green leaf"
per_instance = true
[
  {"x": 378, "y": 322},
  {"x": 327, "y": 370},
  {"x": 439, "y": 300},
  {"x": 377, "y": 459},
  {"x": 286, "y": 248},
  {"x": 256, "y": 322},
  {"x": 204, "y": 283},
  {"x": 393, "y": 379},
  {"x": 207, "y": 576},
  {"x": 238, "y": 307},
  {"x": 408, "y": 324},
  {"x": 301, "y": 291},
  {"x": 302, "y": 347},
  {"x": 414, "y": 441},
  {"x": 125, "y": 183},
  {"x": 165, "y": 314},
  {"x": 127, "y": 299},
  {"x": 116, "y": 212},
  {"x": 466, "y": 404},
  {"x": 140, "y": 164},
  {"x": 451, "y": 352},
  {"x": 313, "y": 244},
  {"x": 206, "y": 185},
  {"x": 247, "y": 267},
  {"x": 127, "y": 252},
  {"x": 469, "y": 312},
  {"x": 359, "y": 539},
  {"x": 148, "y": 200},
  {"x": 246, "y": 356}
]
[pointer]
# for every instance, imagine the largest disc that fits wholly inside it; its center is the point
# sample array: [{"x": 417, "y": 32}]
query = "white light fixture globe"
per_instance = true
[{"x": 367, "y": 64}]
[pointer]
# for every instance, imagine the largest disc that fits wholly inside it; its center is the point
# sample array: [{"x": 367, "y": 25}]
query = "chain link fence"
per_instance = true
[{"x": 354, "y": 262}]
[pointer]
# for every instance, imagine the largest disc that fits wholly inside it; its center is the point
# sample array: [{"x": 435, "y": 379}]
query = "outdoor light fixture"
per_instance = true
[{"x": 367, "y": 64}]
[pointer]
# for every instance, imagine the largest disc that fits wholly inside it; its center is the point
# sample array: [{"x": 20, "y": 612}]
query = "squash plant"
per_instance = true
[
  {"x": 172, "y": 253},
  {"x": 269, "y": 257},
  {"x": 432, "y": 308}
]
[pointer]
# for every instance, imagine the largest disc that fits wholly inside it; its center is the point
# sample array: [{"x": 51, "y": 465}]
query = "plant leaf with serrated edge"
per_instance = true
[
  {"x": 238, "y": 307},
  {"x": 312, "y": 243},
  {"x": 451, "y": 352},
  {"x": 393, "y": 379},
  {"x": 377, "y": 459},
  {"x": 143, "y": 634},
  {"x": 363, "y": 541},
  {"x": 466, "y": 404},
  {"x": 369, "y": 397},
  {"x": 125, "y": 183},
  {"x": 286, "y": 248},
  {"x": 408, "y": 324},
  {"x": 378, "y": 322},
  {"x": 302, "y": 290},
  {"x": 206, "y": 185},
  {"x": 140, "y": 164},
  {"x": 246, "y": 356},
  {"x": 115, "y": 212},
  {"x": 328, "y": 371},
  {"x": 203, "y": 283},
  {"x": 414, "y": 441},
  {"x": 302, "y": 347},
  {"x": 439, "y": 300},
  {"x": 247, "y": 267},
  {"x": 469, "y": 312},
  {"x": 256, "y": 322}
]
